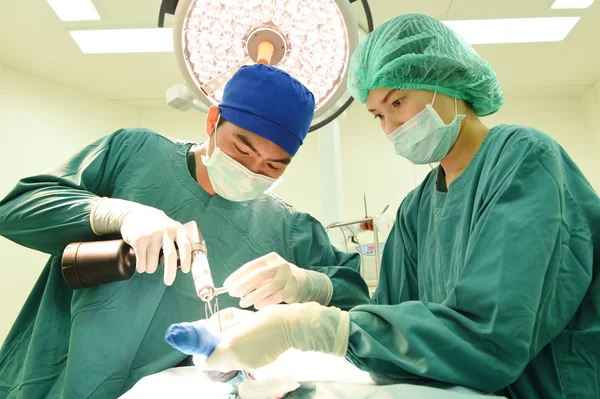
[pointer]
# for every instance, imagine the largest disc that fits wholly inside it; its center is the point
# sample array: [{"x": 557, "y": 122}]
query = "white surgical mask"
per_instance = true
[
  {"x": 232, "y": 180},
  {"x": 425, "y": 138}
]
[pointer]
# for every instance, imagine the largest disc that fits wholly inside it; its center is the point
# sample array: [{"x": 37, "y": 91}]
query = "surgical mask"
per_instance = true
[
  {"x": 425, "y": 138},
  {"x": 232, "y": 180}
]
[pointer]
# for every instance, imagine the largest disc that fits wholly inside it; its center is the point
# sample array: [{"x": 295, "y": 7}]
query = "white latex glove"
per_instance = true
[
  {"x": 230, "y": 317},
  {"x": 147, "y": 230},
  {"x": 271, "y": 280},
  {"x": 262, "y": 337}
]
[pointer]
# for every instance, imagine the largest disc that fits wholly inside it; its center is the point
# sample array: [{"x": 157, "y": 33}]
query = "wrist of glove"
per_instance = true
[
  {"x": 313, "y": 286},
  {"x": 147, "y": 230},
  {"x": 270, "y": 280},
  {"x": 108, "y": 215},
  {"x": 319, "y": 328},
  {"x": 259, "y": 339}
]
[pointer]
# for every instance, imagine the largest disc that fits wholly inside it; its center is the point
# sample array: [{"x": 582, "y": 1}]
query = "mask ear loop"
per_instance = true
[
  {"x": 215, "y": 134},
  {"x": 433, "y": 101},
  {"x": 455, "y": 115}
]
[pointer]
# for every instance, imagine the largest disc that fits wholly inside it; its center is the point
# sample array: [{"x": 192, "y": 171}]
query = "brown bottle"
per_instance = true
[{"x": 89, "y": 264}]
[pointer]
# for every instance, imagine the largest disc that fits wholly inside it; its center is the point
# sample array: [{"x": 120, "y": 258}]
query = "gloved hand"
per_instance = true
[
  {"x": 230, "y": 317},
  {"x": 260, "y": 338},
  {"x": 202, "y": 336},
  {"x": 271, "y": 280},
  {"x": 147, "y": 230}
]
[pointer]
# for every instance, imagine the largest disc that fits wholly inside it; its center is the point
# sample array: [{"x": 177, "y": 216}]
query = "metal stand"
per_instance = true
[{"x": 370, "y": 283}]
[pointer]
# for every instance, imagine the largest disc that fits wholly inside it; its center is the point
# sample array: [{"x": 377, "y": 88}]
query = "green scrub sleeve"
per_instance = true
[{"x": 48, "y": 211}]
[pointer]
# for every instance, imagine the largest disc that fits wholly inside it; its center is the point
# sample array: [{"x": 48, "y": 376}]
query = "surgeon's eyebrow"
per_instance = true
[
  {"x": 285, "y": 161},
  {"x": 245, "y": 140},
  {"x": 385, "y": 99}
]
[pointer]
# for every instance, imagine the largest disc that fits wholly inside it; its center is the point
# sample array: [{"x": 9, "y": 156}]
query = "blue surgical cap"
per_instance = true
[{"x": 270, "y": 103}]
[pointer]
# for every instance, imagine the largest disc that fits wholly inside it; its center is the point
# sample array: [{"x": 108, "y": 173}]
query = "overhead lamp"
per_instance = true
[
  {"x": 103, "y": 41},
  {"x": 312, "y": 40},
  {"x": 571, "y": 4},
  {"x": 513, "y": 30},
  {"x": 74, "y": 10}
]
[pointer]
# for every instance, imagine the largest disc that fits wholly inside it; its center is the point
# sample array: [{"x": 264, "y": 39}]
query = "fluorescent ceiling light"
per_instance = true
[
  {"x": 74, "y": 10},
  {"x": 153, "y": 40},
  {"x": 564, "y": 4},
  {"x": 517, "y": 30}
]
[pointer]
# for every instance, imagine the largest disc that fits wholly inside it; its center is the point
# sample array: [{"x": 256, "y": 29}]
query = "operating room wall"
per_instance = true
[
  {"x": 591, "y": 106},
  {"x": 41, "y": 124},
  {"x": 563, "y": 118},
  {"x": 597, "y": 119}
]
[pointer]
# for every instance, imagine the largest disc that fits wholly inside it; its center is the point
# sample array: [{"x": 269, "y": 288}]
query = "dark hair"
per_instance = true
[{"x": 221, "y": 120}]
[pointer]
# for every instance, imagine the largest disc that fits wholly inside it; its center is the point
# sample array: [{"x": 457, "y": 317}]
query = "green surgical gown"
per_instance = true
[
  {"x": 98, "y": 342},
  {"x": 493, "y": 284}
]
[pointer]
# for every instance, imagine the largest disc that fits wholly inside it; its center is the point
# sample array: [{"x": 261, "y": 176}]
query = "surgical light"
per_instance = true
[{"x": 312, "y": 40}]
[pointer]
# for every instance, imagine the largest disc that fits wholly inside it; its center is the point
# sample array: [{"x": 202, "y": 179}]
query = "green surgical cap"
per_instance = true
[{"x": 418, "y": 52}]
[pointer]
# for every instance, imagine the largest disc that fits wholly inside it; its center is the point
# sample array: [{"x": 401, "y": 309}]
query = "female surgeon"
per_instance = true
[{"x": 490, "y": 278}]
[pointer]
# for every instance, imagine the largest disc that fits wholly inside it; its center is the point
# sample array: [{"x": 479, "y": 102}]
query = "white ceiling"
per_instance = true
[{"x": 34, "y": 40}]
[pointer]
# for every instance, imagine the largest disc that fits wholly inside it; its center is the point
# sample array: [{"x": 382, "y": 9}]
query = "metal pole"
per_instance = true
[
  {"x": 377, "y": 257},
  {"x": 333, "y": 225}
]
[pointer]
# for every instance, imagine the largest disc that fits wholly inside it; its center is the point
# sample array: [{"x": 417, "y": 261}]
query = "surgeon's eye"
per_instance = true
[
  {"x": 379, "y": 116},
  {"x": 240, "y": 151},
  {"x": 272, "y": 167},
  {"x": 397, "y": 103}
]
